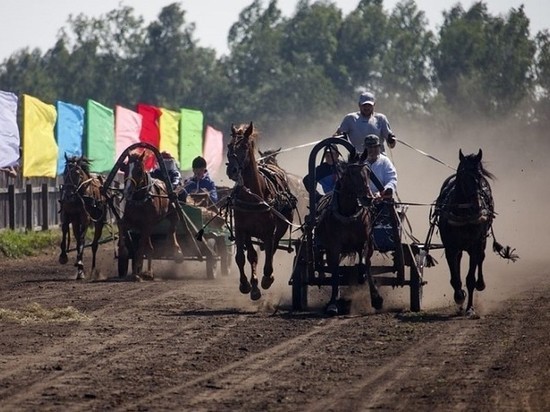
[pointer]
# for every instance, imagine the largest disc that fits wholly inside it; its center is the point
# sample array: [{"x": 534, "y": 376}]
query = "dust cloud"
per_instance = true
[{"x": 519, "y": 164}]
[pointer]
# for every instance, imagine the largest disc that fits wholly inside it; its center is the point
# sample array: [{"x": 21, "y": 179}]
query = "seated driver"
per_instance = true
[
  {"x": 200, "y": 182},
  {"x": 381, "y": 166}
]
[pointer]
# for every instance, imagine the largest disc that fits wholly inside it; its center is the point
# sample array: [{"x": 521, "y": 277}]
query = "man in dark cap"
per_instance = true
[
  {"x": 366, "y": 121},
  {"x": 200, "y": 182}
]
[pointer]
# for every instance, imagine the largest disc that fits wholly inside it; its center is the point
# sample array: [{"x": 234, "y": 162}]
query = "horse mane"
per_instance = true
[{"x": 81, "y": 161}]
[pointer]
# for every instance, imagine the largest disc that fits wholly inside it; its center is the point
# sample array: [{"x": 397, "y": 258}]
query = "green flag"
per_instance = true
[
  {"x": 190, "y": 137},
  {"x": 100, "y": 137}
]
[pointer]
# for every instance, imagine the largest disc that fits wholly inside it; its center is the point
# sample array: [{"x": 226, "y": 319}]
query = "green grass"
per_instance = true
[{"x": 16, "y": 244}]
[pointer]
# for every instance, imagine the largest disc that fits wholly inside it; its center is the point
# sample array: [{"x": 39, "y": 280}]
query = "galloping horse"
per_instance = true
[
  {"x": 344, "y": 228},
  {"x": 81, "y": 204},
  {"x": 146, "y": 204},
  {"x": 262, "y": 206},
  {"x": 464, "y": 213}
]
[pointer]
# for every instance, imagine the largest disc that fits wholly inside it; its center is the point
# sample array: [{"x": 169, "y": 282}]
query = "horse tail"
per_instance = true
[{"x": 505, "y": 252}]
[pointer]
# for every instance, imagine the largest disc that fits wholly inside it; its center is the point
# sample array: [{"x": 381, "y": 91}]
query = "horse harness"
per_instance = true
[{"x": 93, "y": 207}]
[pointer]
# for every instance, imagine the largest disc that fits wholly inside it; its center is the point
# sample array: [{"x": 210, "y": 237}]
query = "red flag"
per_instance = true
[{"x": 150, "y": 128}]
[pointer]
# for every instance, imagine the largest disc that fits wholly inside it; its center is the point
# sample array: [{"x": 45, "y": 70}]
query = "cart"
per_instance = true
[
  {"x": 202, "y": 235},
  {"x": 406, "y": 260}
]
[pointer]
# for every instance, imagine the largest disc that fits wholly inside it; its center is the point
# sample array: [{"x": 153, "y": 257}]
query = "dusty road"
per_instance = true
[{"x": 186, "y": 343}]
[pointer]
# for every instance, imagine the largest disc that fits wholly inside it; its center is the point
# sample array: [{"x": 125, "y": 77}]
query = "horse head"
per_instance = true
[
  {"x": 353, "y": 180},
  {"x": 240, "y": 151},
  {"x": 136, "y": 177},
  {"x": 75, "y": 176}
]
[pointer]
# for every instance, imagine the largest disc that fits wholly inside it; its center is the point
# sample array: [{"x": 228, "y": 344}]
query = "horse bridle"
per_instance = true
[{"x": 75, "y": 186}]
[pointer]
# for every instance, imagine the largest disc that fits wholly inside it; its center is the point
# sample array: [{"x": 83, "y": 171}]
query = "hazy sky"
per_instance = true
[{"x": 35, "y": 23}]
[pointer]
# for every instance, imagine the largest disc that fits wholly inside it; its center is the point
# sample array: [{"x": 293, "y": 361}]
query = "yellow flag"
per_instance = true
[
  {"x": 169, "y": 132},
  {"x": 39, "y": 146}
]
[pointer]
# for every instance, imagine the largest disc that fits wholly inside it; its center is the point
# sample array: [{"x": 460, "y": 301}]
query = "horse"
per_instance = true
[
  {"x": 81, "y": 204},
  {"x": 297, "y": 188},
  {"x": 464, "y": 213},
  {"x": 146, "y": 203},
  {"x": 344, "y": 228},
  {"x": 262, "y": 207}
]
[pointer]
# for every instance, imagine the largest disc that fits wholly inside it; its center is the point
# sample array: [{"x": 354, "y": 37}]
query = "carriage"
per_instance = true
[
  {"x": 201, "y": 234},
  {"x": 395, "y": 263}
]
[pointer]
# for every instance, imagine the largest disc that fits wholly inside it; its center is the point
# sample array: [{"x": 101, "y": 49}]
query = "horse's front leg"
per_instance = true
[
  {"x": 476, "y": 261},
  {"x": 178, "y": 255},
  {"x": 252, "y": 257},
  {"x": 376, "y": 300},
  {"x": 79, "y": 230},
  {"x": 453, "y": 259},
  {"x": 333, "y": 262},
  {"x": 244, "y": 284},
  {"x": 63, "y": 258}
]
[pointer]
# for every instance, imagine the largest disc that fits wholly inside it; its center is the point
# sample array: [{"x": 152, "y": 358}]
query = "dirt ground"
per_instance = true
[{"x": 183, "y": 342}]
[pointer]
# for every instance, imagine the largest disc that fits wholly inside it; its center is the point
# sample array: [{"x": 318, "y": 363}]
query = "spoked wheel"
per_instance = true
[
  {"x": 417, "y": 282},
  {"x": 299, "y": 280}
]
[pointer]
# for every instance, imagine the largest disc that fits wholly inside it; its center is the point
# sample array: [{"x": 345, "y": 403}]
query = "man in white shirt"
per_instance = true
[{"x": 381, "y": 166}]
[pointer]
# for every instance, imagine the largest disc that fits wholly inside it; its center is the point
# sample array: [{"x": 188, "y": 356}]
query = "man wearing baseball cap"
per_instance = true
[
  {"x": 381, "y": 166},
  {"x": 366, "y": 121}
]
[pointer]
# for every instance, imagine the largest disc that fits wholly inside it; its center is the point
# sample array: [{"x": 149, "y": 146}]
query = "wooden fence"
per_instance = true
[{"x": 28, "y": 203}]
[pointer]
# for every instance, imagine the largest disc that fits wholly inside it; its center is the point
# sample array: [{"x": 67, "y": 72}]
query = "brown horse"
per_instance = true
[
  {"x": 81, "y": 204},
  {"x": 269, "y": 157},
  {"x": 262, "y": 207},
  {"x": 146, "y": 204},
  {"x": 344, "y": 228}
]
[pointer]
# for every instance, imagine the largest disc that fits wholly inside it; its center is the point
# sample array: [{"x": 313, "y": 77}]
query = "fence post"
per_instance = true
[
  {"x": 28, "y": 201},
  {"x": 11, "y": 206},
  {"x": 45, "y": 214}
]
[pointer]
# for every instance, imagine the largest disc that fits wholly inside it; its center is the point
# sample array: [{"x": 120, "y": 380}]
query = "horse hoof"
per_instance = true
[
  {"x": 471, "y": 314},
  {"x": 245, "y": 288},
  {"x": 480, "y": 285},
  {"x": 80, "y": 276},
  {"x": 378, "y": 302},
  {"x": 63, "y": 259},
  {"x": 255, "y": 293},
  {"x": 178, "y": 258},
  {"x": 267, "y": 281},
  {"x": 460, "y": 296},
  {"x": 332, "y": 309}
]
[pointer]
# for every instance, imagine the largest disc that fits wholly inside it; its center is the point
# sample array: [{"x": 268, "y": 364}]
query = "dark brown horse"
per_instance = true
[
  {"x": 81, "y": 205},
  {"x": 464, "y": 214},
  {"x": 146, "y": 204},
  {"x": 344, "y": 228},
  {"x": 262, "y": 207}
]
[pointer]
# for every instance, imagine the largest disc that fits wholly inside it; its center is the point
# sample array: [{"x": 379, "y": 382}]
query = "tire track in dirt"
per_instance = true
[{"x": 244, "y": 374}]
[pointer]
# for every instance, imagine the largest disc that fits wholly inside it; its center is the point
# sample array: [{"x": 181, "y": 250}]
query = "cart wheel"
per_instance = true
[
  {"x": 417, "y": 283},
  {"x": 299, "y": 282},
  {"x": 224, "y": 251},
  {"x": 211, "y": 262}
]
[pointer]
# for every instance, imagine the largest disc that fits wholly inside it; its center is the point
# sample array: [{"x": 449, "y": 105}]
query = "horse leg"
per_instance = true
[
  {"x": 178, "y": 254},
  {"x": 267, "y": 278},
  {"x": 63, "y": 258},
  {"x": 480, "y": 284},
  {"x": 244, "y": 284},
  {"x": 122, "y": 248},
  {"x": 98, "y": 230},
  {"x": 79, "y": 230},
  {"x": 252, "y": 257},
  {"x": 333, "y": 264},
  {"x": 376, "y": 300},
  {"x": 453, "y": 259}
]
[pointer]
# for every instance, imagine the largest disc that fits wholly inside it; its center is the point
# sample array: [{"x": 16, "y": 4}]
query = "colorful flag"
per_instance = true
[
  {"x": 69, "y": 131},
  {"x": 213, "y": 150},
  {"x": 9, "y": 132},
  {"x": 150, "y": 129},
  {"x": 100, "y": 137},
  {"x": 127, "y": 128},
  {"x": 169, "y": 132},
  {"x": 191, "y": 128},
  {"x": 39, "y": 146}
]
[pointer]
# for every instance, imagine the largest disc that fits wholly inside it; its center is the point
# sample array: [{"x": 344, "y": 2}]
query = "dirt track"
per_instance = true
[{"x": 193, "y": 344}]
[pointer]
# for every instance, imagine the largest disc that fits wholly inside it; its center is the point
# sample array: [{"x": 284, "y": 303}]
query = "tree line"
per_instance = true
[{"x": 284, "y": 72}]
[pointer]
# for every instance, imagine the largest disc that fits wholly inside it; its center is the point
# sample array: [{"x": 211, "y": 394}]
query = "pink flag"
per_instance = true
[
  {"x": 213, "y": 150},
  {"x": 127, "y": 128}
]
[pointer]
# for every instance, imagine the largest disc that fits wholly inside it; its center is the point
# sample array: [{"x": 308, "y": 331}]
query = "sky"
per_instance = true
[{"x": 35, "y": 23}]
